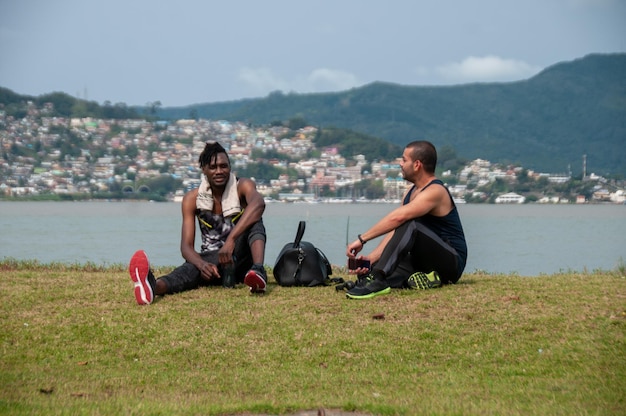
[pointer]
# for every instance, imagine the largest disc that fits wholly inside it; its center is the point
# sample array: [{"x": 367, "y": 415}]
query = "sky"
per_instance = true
[{"x": 187, "y": 52}]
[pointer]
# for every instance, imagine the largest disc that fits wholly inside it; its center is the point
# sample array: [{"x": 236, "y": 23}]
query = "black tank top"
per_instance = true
[{"x": 448, "y": 227}]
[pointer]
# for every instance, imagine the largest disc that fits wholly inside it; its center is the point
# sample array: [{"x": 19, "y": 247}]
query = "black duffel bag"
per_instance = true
[{"x": 301, "y": 263}]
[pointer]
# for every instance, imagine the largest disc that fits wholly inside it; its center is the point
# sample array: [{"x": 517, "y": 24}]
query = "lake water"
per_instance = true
[{"x": 525, "y": 239}]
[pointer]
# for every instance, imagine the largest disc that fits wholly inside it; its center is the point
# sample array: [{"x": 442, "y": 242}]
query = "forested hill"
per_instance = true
[{"x": 546, "y": 123}]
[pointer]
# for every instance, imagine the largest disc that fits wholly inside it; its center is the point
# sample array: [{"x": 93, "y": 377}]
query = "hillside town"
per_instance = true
[{"x": 55, "y": 156}]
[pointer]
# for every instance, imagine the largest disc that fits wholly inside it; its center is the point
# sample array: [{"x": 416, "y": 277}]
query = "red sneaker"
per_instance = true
[
  {"x": 255, "y": 278},
  {"x": 141, "y": 275}
]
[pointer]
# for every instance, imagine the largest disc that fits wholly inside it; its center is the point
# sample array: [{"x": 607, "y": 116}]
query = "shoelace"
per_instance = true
[{"x": 420, "y": 280}]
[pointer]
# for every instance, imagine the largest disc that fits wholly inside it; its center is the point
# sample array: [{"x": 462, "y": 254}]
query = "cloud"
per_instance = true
[
  {"x": 324, "y": 79},
  {"x": 264, "y": 80},
  {"x": 486, "y": 68}
]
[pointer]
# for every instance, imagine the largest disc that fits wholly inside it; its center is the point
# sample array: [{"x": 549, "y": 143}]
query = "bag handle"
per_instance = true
[
  {"x": 329, "y": 269},
  {"x": 299, "y": 234}
]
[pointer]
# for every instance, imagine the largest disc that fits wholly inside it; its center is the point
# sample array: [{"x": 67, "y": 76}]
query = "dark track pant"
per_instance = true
[
  {"x": 414, "y": 247},
  {"x": 187, "y": 276}
]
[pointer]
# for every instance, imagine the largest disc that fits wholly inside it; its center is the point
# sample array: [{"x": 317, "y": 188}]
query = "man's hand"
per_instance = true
[
  {"x": 209, "y": 271},
  {"x": 359, "y": 265},
  {"x": 225, "y": 255},
  {"x": 353, "y": 248}
]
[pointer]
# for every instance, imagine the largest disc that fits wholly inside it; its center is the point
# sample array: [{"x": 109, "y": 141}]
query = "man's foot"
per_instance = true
[
  {"x": 256, "y": 278},
  {"x": 143, "y": 278},
  {"x": 420, "y": 280},
  {"x": 363, "y": 279},
  {"x": 370, "y": 288}
]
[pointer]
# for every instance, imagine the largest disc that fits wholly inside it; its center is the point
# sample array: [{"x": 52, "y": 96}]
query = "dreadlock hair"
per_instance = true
[{"x": 210, "y": 152}]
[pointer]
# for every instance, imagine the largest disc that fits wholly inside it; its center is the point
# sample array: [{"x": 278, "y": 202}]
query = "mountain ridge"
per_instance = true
[{"x": 546, "y": 123}]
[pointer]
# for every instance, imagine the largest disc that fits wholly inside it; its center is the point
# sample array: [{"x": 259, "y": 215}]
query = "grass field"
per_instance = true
[{"x": 75, "y": 342}]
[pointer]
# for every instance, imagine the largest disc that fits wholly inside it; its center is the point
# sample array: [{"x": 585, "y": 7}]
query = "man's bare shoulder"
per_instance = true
[
  {"x": 245, "y": 182},
  {"x": 246, "y": 185},
  {"x": 439, "y": 187},
  {"x": 190, "y": 198},
  {"x": 191, "y": 194},
  {"x": 441, "y": 199}
]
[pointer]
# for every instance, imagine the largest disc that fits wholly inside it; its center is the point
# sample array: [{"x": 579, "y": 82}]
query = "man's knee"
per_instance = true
[
  {"x": 256, "y": 237},
  {"x": 256, "y": 232}
]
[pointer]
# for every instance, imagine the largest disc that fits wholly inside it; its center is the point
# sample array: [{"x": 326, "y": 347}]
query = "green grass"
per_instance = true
[{"x": 74, "y": 341}]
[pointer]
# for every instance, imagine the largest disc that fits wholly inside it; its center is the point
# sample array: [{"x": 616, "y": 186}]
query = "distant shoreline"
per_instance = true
[{"x": 319, "y": 201}]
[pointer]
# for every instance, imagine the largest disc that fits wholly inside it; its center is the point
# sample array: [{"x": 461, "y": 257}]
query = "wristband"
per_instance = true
[{"x": 361, "y": 240}]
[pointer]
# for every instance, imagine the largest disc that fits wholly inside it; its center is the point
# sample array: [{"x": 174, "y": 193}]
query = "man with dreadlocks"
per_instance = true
[{"x": 229, "y": 212}]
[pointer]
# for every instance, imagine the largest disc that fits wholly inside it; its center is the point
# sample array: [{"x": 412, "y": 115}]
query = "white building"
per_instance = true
[{"x": 510, "y": 198}]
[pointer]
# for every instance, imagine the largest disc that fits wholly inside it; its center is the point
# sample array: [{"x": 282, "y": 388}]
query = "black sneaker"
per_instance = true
[
  {"x": 363, "y": 279},
  {"x": 370, "y": 288},
  {"x": 420, "y": 280},
  {"x": 256, "y": 278},
  {"x": 142, "y": 277}
]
